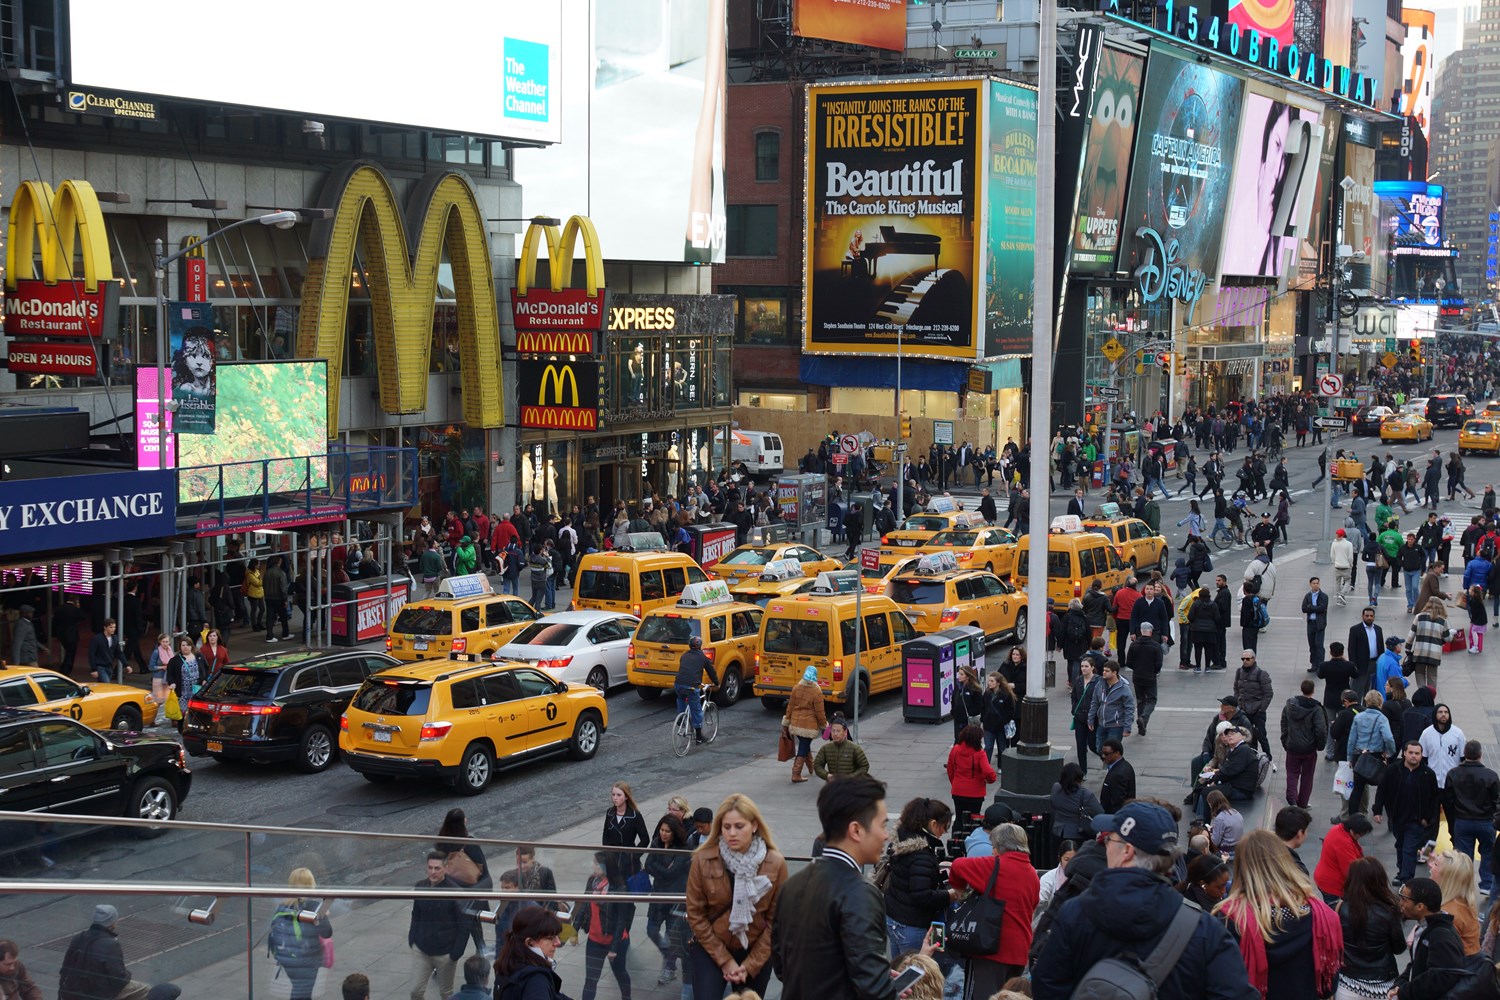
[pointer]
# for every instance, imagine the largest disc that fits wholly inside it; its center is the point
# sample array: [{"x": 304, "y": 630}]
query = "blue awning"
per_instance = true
[{"x": 854, "y": 372}]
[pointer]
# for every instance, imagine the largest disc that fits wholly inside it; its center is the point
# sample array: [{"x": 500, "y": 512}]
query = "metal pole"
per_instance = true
[
  {"x": 161, "y": 359},
  {"x": 1324, "y": 555},
  {"x": 859, "y": 632},
  {"x": 900, "y": 441}
]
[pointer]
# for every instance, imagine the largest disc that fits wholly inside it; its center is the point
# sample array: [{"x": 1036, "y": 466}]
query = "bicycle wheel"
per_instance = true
[
  {"x": 710, "y": 721},
  {"x": 1220, "y": 540},
  {"x": 682, "y": 734}
]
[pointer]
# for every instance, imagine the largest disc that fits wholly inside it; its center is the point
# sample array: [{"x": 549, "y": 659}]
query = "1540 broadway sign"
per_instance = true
[{"x": 39, "y": 515}]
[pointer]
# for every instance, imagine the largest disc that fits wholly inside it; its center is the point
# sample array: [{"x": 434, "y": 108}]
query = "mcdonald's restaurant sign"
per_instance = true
[
  {"x": 49, "y": 227},
  {"x": 560, "y": 320},
  {"x": 402, "y": 249},
  {"x": 560, "y": 395}
]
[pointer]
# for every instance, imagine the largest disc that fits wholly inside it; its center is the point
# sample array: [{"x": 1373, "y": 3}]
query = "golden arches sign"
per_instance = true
[
  {"x": 560, "y": 249},
  {"x": 402, "y": 251},
  {"x": 53, "y": 221}
]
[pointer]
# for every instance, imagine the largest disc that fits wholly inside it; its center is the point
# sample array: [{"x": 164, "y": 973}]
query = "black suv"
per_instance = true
[
  {"x": 1449, "y": 411},
  {"x": 50, "y": 763},
  {"x": 278, "y": 707}
]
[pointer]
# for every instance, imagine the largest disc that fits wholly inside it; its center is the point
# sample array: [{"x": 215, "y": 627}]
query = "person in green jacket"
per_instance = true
[
  {"x": 1390, "y": 541},
  {"x": 466, "y": 557},
  {"x": 840, "y": 756},
  {"x": 430, "y": 564},
  {"x": 1383, "y": 513}
]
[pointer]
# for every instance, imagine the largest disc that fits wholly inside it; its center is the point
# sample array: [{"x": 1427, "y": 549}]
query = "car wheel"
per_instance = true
[
  {"x": 648, "y": 693},
  {"x": 475, "y": 770},
  {"x": 1020, "y": 629},
  {"x": 989, "y": 567},
  {"x": 585, "y": 742},
  {"x": 772, "y": 704},
  {"x": 599, "y": 678},
  {"x": 316, "y": 751},
  {"x": 128, "y": 718},
  {"x": 154, "y": 799},
  {"x": 1161, "y": 562},
  {"x": 861, "y": 698},
  {"x": 729, "y": 687}
]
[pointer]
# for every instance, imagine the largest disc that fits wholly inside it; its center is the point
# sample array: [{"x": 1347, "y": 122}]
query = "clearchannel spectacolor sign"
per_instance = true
[{"x": 66, "y": 512}]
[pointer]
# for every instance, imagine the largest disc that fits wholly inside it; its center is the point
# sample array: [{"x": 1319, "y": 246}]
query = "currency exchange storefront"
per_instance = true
[{"x": 663, "y": 401}]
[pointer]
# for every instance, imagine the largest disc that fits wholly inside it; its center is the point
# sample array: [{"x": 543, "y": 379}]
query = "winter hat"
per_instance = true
[
  {"x": 105, "y": 915},
  {"x": 810, "y": 675}
]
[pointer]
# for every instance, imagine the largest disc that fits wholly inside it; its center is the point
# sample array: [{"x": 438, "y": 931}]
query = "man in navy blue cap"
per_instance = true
[{"x": 1128, "y": 907}]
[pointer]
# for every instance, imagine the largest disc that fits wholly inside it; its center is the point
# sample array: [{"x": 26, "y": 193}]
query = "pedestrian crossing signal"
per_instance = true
[{"x": 905, "y": 426}]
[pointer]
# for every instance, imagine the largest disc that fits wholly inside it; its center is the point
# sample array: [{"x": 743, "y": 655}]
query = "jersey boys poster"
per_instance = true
[
  {"x": 1011, "y": 175},
  {"x": 893, "y": 203}
]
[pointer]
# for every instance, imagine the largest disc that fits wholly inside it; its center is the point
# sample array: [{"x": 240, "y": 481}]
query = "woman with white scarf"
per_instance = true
[{"x": 731, "y": 891}]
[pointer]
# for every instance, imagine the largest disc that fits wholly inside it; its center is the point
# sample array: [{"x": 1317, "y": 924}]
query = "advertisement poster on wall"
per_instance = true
[
  {"x": 148, "y": 431},
  {"x": 892, "y": 206},
  {"x": 194, "y": 366},
  {"x": 1362, "y": 210},
  {"x": 1184, "y": 163},
  {"x": 1316, "y": 236},
  {"x": 1275, "y": 143},
  {"x": 880, "y": 24},
  {"x": 1106, "y": 162},
  {"x": 1011, "y": 176}
]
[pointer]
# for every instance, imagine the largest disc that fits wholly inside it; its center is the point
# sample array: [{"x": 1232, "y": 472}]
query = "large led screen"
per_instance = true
[
  {"x": 879, "y": 24},
  {"x": 273, "y": 410},
  {"x": 642, "y": 150},
  {"x": 1011, "y": 178},
  {"x": 1184, "y": 162},
  {"x": 1106, "y": 162},
  {"x": 1274, "y": 176},
  {"x": 1412, "y": 212},
  {"x": 486, "y": 69},
  {"x": 892, "y": 212},
  {"x": 1269, "y": 18}
]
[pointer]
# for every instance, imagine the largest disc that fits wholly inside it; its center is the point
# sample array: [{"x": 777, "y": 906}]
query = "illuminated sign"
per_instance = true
[
  {"x": 1412, "y": 211},
  {"x": 403, "y": 266},
  {"x": 50, "y": 226},
  {"x": 566, "y": 393},
  {"x": 540, "y": 313},
  {"x": 35, "y": 358},
  {"x": 64, "y": 512},
  {"x": 1162, "y": 272},
  {"x": 1197, "y": 24}
]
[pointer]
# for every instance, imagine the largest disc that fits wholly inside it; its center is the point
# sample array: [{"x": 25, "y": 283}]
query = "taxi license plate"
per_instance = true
[
  {"x": 419, "y": 644},
  {"x": 214, "y": 746},
  {"x": 381, "y": 737}
]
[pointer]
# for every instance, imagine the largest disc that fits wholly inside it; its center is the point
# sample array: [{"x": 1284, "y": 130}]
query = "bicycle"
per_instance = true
[
  {"x": 682, "y": 726},
  {"x": 1222, "y": 536}
]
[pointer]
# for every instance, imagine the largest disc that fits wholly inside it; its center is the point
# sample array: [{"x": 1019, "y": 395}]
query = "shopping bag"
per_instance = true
[
  {"x": 1458, "y": 641},
  {"x": 786, "y": 749},
  {"x": 173, "y": 708},
  {"x": 1343, "y": 780}
]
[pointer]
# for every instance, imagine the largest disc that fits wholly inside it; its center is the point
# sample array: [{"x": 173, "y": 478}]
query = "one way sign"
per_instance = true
[{"x": 1331, "y": 423}]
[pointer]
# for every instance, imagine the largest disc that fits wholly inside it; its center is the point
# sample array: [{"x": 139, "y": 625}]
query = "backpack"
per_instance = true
[
  {"x": 881, "y": 876},
  {"x": 1127, "y": 976},
  {"x": 287, "y": 941},
  {"x": 1258, "y": 612},
  {"x": 1076, "y": 629}
]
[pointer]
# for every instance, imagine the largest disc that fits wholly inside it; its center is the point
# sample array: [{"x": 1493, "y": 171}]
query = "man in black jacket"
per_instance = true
[
  {"x": 1236, "y": 776},
  {"x": 1154, "y": 608},
  {"x": 1119, "y": 776},
  {"x": 690, "y": 670},
  {"x": 1338, "y": 675},
  {"x": 829, "y": 936},
  {"x": 1304, "y": 731},
  {"x": 1437, "y": 960},
  {"x": 94, "y": 966},
  {"x": 1144, "y": 660},
  {"x": 1223, "y": 603},
  {"x": 1409, "y": 792},
  {"x": 1473, "y": 799},
  {"x": 1366, "y": 643},
  {"x": 438, "y": 933}
]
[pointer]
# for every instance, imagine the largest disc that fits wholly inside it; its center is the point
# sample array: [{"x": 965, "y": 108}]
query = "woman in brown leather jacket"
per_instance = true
[
  {"x": 731, "y": 891},
  {"x": 805, "y": 718}
]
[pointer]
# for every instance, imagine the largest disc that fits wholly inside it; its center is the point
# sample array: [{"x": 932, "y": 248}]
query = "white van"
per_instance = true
[{"x": 761, "y": 451}]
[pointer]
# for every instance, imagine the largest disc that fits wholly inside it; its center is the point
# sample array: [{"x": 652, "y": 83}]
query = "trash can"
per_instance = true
[
  {"x": 929, "y": 669},
  {"x": 360, "y": 611},
  {"x": 1034, "y": 815}
]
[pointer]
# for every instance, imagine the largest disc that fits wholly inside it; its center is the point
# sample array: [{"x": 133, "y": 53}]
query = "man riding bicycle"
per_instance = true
[{"x": 690, "y": 671}]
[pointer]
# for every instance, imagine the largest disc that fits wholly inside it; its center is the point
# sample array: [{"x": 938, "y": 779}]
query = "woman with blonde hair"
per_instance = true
[
  {"x": 930, "y": 986},
  {"x": 299, "y": 949},
  {"x": 1290, "y": 940},
  {"x": 1424, "y": 645},
  {"x": 732, "y": 886},
  {"x": 1454, "y": 874}
]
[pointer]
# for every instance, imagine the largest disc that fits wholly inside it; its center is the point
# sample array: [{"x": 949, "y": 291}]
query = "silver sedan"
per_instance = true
[{"x": 577, "y": 647}]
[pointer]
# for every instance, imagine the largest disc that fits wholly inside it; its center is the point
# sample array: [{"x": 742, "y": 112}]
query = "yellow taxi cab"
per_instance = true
[
  {"x": 1076, "y": 558},
  {"x": 1481, "y": 434},
  {"x": 730, "y": 631},
  {"x": 643, "y": 575},
  {"x": 1132, "y": 539},
  {"x": 465, "y": 616},
  {"x": 818, "y": 630},
  {"x": 1490, "y": 410},
  {"x": 976, "y": 545},
  {"x": 779, "y": 578},
  {"x": 1406, "y": 427},
  {"x": 940, "y": 595},
  {"x": 746, "y": 562},
  {"x": 877, "y": 576},
  {"x": 98, "y": 706},
  {"x": 460, "y": 719},
  {"x": 940, "y": 514}
]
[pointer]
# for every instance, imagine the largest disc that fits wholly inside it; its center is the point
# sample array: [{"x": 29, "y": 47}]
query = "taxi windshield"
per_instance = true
[
  {"x": 918, "y": 592},
  {"x": 748, "y": 557},
  {"x": 953, "y": 538}
]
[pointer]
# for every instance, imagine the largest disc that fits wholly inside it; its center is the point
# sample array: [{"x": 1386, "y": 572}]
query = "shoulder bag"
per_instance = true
[{"x": 974, "y": 922}]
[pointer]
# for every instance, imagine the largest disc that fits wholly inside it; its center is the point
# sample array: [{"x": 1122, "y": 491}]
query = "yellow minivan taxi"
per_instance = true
[
  {"x": 1075, "y": 558},
  {"x": 636, "y": 581},
  {"x": 817, "y": 630},
  {"x": 1133, "y": 540},
  {"x": 1480, "y": 434},
  {"x": 466, "y": 616},
  {"x": 976, "y": 545},
  {"x": 780, "y": 578},
  {"x": 935, "y": 598},
  {"x": 730, "y": 631}
]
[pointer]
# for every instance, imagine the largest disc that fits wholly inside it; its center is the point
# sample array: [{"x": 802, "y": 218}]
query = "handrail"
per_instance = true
[{"x": 71, "y": 888}]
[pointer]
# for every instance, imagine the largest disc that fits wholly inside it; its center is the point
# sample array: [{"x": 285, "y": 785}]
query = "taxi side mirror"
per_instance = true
[
  {"x": 562, "y": 687},
  {"x": 84, "y": 691}
]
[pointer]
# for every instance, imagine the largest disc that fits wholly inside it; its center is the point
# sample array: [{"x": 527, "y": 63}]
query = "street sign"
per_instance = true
[
  {"x": 849, "y": 444},
  {"x": 839, "y": 458},
  {"x": 1157, "y": 346},
  {"x": 1107, "y": 392},
  {"x": 1390, "y": 344},
  {"x": 942, "y": 432},
  {"x": 1389, "y": 359},
  {"x": 1113, "y": 350},
  {"x": 976, "y": 53},
  {"x": 1346, "y": 404},
  {"x": 869, "y": 558},
  {"x": 1331, "y": 384},
  {"x": 1332, "y": 423}
]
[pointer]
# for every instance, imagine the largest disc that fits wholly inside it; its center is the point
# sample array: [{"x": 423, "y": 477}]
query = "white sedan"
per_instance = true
[{"x": 577, "y": 647}]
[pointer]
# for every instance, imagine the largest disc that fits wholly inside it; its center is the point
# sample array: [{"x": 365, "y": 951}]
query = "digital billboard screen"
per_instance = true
[
  {"x": 880, "y": 24},
  {"x": 892, "y": 212},
  {"x": 496, "y": 64},
  {"x": 642, "y": 150},
  {"x": 1412, "y": 212},
  {"x": 1274, "y": 176},
  {"x": 1184, "y": 162},
  {"x": 1011, "y": 241},
  {"x": 1106, "y": 162},
  {"x": 270, "y": 410}
]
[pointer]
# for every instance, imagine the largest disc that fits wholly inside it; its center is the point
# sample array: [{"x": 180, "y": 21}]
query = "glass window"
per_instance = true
[
  {"x": 901, "y": 628},
  {"x": 877, "y": 631},
  {"x": 918, "y": 591},
  {"x": 966, "y": 589},
  {"x": 305, "y": 679},
  {"x": 465, "y": 694},
  {"x": 500, "y": 688},
  {"x": 423, "y": 621},
  {"x": 762, "y": 320},
  {"x": 533, "y": 684},
  {"x": 669, "y": 630},
  {"x": 17, "y": 693},
  {"x": 1086, "y": 563},
  {"x": 56, "y": 688},
  {"x": 609, "y": 631},
  {"x": 846, "y": 635},
  {"x": 1059, "y": 565},
  {"x": 788, "y": 635},
  {"x": 696, "y": 575},
  {"x": 746, "y": 623},
  {"x": 767, "y": 156},
  {"x": 602, "y": 585},
  {"x": 496, "y": 613},
  {"x": 751, "y": 230},
  {"x": 16, "y": 755},
  {"x": 652, "y": 589},
  {"x": 468, "y": 619},
  {"x": 676, "y": 579},
  {"x": 63, "y": 742},
  {"x": 393, "y": 698},
  {"x": 347, "y": 673},
  {"x": 716, "y": 628}
]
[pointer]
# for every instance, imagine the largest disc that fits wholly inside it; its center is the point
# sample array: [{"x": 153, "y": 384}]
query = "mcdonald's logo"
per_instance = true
[
  {"x": 567, "y": 393},
  {"x": 578, "y": 311},
  {"x": 401, "y": 260},
  {"x": 55, "y": 227}
]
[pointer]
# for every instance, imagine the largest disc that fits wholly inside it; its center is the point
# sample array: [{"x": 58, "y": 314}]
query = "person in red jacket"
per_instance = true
[
  {"x": 969, "y": 771},
  {"x": 1124, "y": 600},
  {"x": 1009, "y": 876},
  {"x": 1340, "y": 849}
]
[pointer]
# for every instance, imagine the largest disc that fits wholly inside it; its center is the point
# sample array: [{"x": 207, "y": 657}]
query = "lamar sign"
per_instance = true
[
  {"x": 567, "y": 393},
  {"x": 402, "y": 265},
  {"x": 560, "y": 320},
  {"x": 51, "y": 226}
]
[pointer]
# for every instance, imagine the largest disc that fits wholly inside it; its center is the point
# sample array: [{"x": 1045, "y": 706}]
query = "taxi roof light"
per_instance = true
[
  {"x": 781, "y": 569},
  {"x": 839, "y": 581},
  {"x": 936, "y": 562},
  {"x": 705, "y": 594},
  {"x": 973, "y": 519},
  {"x": 1109, "y": 511},
  {"x": 467, "y": 585},
  {"x": 941, "y": 505},
  {"x": 1066, "y": 523},
  {"x": 643, "y": 541}
]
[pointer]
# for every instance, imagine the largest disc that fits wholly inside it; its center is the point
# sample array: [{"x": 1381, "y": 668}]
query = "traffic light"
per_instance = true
[
  {"x": 905, "y": 426},
  {"x": 1416, "y": 352}
]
